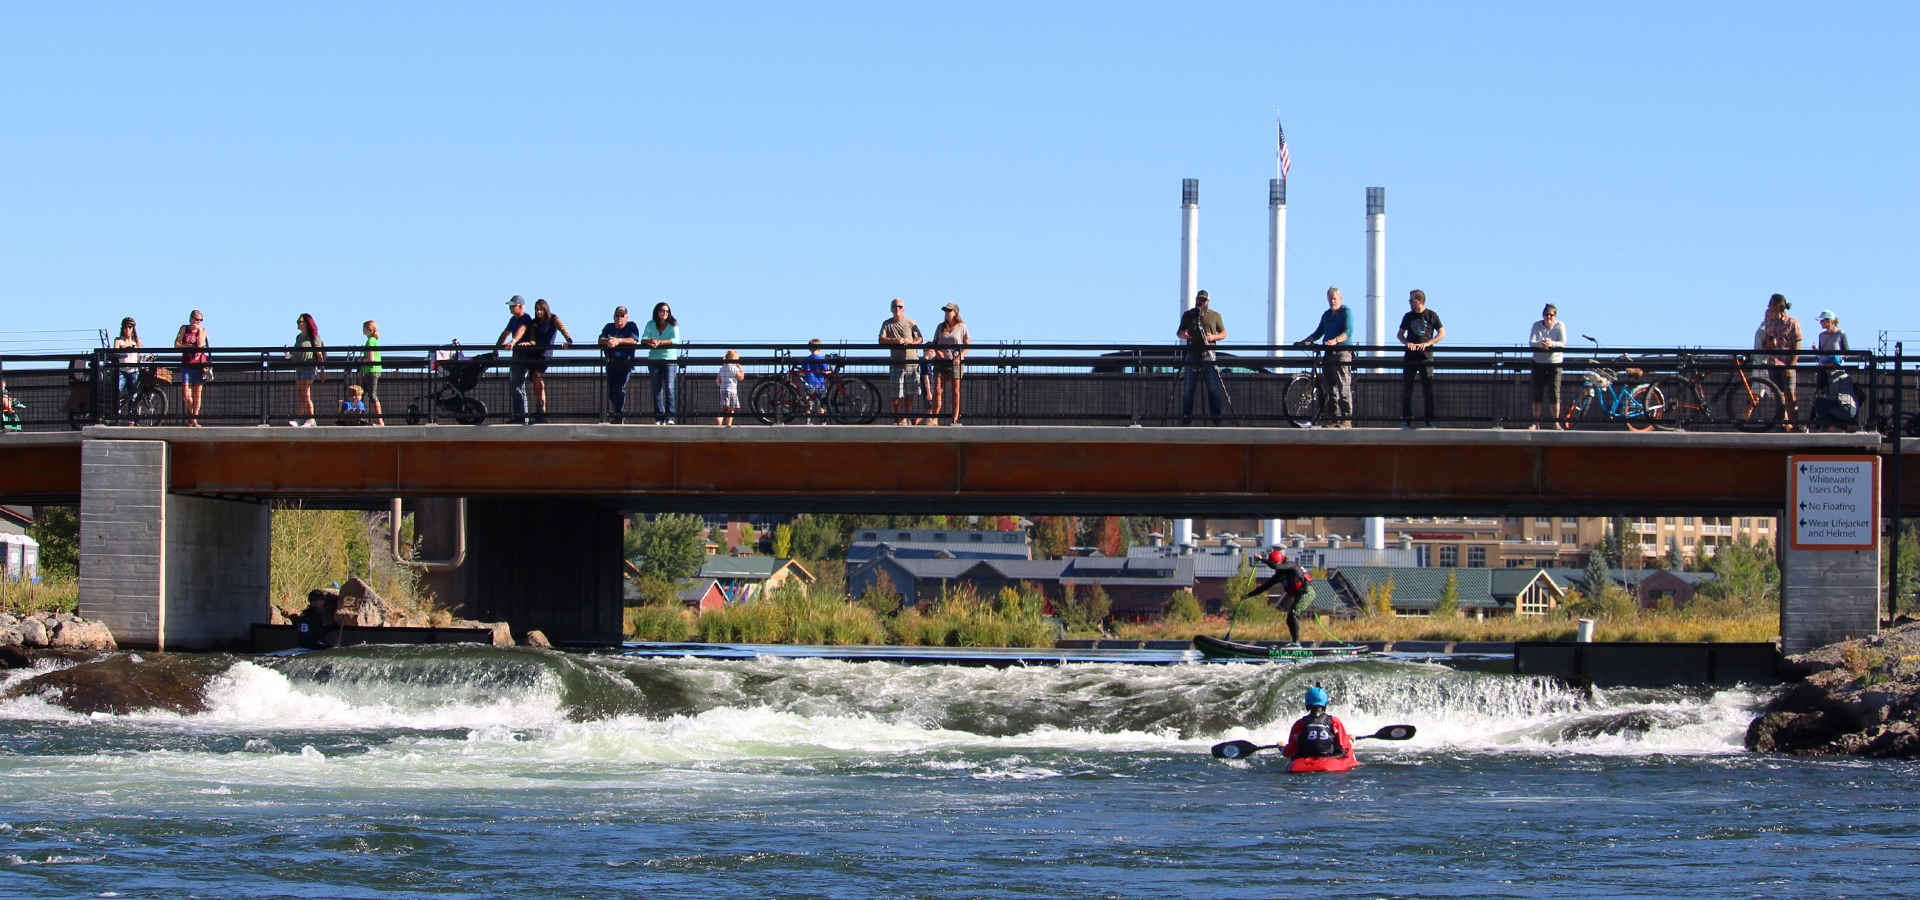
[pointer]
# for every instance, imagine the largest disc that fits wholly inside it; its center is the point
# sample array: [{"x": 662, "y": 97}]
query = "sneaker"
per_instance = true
[
  {"x": 1406, "y": 423},
  {"x": 1430, "y": 424}
]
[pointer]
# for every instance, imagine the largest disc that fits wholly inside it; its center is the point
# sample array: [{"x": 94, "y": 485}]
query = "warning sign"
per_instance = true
[{"x": 1836, "y": 502}]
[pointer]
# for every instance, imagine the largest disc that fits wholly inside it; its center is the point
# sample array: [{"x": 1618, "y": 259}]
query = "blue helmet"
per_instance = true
[{"x": 1317, "y": 696}]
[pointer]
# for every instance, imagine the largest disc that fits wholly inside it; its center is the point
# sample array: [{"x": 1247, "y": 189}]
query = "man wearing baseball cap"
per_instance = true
[
  {"x": 617, "y": 340},
  {"x": 517, "y": 324}
]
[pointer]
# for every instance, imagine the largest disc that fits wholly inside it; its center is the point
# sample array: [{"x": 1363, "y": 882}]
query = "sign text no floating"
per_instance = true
[{"x": 1835, "y": 502}]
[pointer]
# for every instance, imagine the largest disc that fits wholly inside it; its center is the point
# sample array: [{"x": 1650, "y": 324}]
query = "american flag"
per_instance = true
[{"x": 1286, "y": 161}]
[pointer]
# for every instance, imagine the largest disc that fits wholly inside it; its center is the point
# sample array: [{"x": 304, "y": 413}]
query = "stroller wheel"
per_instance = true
[
  {"x": 413, "y": 414},
  {"x": 467, "y": 410}
]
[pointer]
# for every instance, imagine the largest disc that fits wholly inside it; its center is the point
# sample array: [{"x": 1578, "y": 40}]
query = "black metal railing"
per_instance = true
[{"x": 1001, "y": 384}]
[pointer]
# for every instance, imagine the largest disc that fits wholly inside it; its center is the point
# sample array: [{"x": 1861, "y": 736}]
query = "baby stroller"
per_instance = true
[{"x": 457, "y": 377}]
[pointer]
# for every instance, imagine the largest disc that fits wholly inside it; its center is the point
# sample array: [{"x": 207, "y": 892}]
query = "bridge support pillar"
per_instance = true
[
  {"x": 550, "y": 565},
  {"x": 167, "y": 572},
  {"x": 1827, "y": 596}
]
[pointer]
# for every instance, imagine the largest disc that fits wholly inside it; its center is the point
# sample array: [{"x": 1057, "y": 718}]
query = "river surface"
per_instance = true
[{"x": 470, "y": 772}]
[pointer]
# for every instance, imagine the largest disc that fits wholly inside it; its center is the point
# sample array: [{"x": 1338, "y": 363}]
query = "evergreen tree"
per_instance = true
[
  {"x": 1675, "y": 562},
  {"x": 1449, "y": 605},
  {"x": 1598, "y": 581}
]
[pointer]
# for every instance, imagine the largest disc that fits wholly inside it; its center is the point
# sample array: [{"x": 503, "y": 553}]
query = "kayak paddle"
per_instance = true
[{"x": 1242, "y": 749}]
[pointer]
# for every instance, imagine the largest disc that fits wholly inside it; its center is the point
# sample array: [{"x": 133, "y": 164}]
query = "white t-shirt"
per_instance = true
[{"x": 1557, "y": 334}]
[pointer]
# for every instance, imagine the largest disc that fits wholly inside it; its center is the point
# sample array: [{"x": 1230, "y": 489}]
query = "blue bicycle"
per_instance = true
[{"x": 1622, "y": 396}]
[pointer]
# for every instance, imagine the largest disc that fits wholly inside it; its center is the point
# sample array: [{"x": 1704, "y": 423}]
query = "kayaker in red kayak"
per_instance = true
[
  {"x": 1293, "y": 582},
  {"x": 1318, "y": 735}
]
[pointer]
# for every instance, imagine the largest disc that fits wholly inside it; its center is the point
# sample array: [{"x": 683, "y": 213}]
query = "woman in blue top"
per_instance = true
[
  {"x": 660, "y": 337},
  {"x": 536, "y": 348}
]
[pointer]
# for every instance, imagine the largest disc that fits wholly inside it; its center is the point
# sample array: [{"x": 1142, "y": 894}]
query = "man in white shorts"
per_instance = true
[{"x": 903, "y": 334}]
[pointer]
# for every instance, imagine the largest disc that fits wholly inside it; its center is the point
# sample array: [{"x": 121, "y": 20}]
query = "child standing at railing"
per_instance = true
[{"x": 731, "y": 374}]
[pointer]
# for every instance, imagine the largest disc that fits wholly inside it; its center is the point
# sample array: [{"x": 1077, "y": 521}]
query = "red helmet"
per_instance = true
[{"x": 1277, "y": 558}]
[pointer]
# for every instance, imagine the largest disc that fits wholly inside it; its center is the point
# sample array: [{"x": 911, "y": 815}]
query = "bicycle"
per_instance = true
[
  {"x": 1306, "y": 395},
  {"x": 1610, "y": 397},
  {"x": 147, "y": 403},
  {"x": 1753, "y": 402},
  {"x": 847, "y": 399}
]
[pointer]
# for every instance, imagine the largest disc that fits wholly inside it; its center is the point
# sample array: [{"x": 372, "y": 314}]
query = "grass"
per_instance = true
[
  {"x": 1648, "y": 625},
  {"x": 795, "y": 615},
  {"x": 53, "y": 594}
]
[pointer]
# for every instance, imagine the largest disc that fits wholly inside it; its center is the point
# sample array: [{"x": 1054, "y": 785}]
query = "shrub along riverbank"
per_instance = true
[{"x": 795, "y": 615}]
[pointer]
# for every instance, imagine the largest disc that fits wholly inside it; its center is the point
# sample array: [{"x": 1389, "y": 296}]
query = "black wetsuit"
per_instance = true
[
  {"x": 1293, "y": 579},
  {"x": 312, "y": 624}
]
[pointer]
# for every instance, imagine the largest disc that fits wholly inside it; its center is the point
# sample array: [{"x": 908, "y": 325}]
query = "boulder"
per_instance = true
[
  {"x": 361, "y": 607},
  {"x": 82, "y": 634},
  {"x": 33, "y": 633},
  {"x": 117, "y": 684},
  {"x": 536, "y": 638},
  {"x": 10, "y": 635},
  {"x": 1860, "y": 698},
  {"x": 502, "y": 632}
]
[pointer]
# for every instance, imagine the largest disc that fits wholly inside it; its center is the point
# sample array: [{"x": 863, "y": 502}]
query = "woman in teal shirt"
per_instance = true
[
  {"x": 660, "y": 336},
  {"x": 370, "y": 373}
]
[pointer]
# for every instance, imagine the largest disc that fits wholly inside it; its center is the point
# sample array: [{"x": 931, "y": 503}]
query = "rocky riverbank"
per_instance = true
[
  {"x": 54, "y": 630},
  {"x": 1862, "y": 698}
]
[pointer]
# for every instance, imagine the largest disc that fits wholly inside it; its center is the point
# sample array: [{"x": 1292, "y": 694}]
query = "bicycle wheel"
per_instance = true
[
  {"x": 853, "y": 401},
  {"x": 1644, "y": 407},
  {"x": 1758, "y": 408},
  {"x": 413, "y": 414},
  {"x": 760, "y": 401},
  {"x": 1685, "y": 404},
  {"x": 1302, "y": 400},
  {"x": 787, "y": 404},
  {"x": 149, "y": 407},
  {"x": 1578, "y": 410}
]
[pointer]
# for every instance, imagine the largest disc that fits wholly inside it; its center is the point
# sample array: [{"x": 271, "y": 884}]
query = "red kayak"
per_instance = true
[{"x": 1303, "y": 765}]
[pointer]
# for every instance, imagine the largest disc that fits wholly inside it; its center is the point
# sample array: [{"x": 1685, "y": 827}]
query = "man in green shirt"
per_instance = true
[{"x": 1200, "y": 329}]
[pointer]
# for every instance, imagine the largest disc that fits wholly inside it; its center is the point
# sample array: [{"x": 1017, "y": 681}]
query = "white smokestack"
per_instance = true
[
  {"x": 1276, "y": 301},
  {"x": 1189, "y": 241},
  {"x": 1377, "y": 312},
  {"x": 1377, "y": 267},
  {"x": 1189, "y": 285},
  {"x": 1276, "y": 263}
]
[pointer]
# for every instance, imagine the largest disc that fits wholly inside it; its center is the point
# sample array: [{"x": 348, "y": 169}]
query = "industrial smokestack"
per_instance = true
[
  {"x": 1377, "y": 311},
  {"x": 1189, "y": 285},
  {"x": 1377, "y": 267},
  {"x": 1189, "y": 241},
  {"x": 1276, "y": 263},
  {"x": 1276, "y": 300}
]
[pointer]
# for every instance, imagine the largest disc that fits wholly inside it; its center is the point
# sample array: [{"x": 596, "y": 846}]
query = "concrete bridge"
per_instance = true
[{"x": 174, "y": 521}]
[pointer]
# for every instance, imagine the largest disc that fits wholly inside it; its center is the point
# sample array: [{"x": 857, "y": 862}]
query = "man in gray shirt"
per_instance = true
[
  {"x": 903, "y": 334},
  {"x": 1548, "y": 337}
]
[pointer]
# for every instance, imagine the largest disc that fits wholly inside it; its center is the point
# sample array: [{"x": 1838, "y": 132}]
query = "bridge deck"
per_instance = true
[{"x": 995, "y": 469}]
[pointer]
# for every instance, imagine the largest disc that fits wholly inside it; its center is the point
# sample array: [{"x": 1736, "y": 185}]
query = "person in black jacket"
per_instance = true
[
  {"x": 312, "y": 624},
  {"x": 1293, "y": 582}
]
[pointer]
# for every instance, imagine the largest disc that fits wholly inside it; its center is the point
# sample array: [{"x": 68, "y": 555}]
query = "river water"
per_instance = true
[{"x": 469, "y": 772}]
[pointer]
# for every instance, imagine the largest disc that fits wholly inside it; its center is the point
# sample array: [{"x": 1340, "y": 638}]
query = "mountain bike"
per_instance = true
[
  {"x": 1751, "y": 403},
  {"x": 1610, "y": 396},
  {"x": 845, "y": 398}
]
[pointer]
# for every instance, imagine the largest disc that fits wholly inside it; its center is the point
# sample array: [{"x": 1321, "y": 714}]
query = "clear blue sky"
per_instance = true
[{"x": 779, "y": 171}]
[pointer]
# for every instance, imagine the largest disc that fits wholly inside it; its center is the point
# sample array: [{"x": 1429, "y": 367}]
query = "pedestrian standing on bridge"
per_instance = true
[
  {"x": 127, "y": 378},
  {"x": 949, "y": 364},
  {"x": 1548, "y": 338},
  {"x": 1829, "y": 342},
  {"x": 617, "y": 340},
  {"x": 902, "y": 335},
  {"x": 517, "y": 324},
  {"x": 371, "y": 369},
  {"x": 1420, "y": 329},
  {"x": 538, "y": 344},
  {"x": 193, "y": 369},
  {"x": 661, "y": 338},
  {"x": 1781, "y": 332},
  {"x": 1336, "y": 365},
  {"x": 1200, "y": 329},
  {"x": 307, "y": 357}
]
